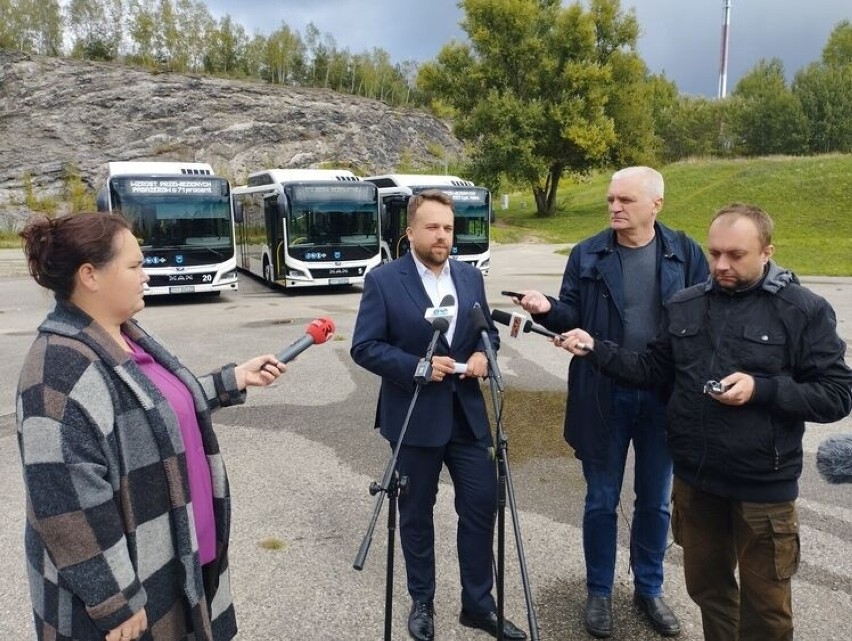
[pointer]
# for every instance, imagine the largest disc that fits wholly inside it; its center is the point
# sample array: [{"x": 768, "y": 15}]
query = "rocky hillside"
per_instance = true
[{"x": 58, "y": 111}]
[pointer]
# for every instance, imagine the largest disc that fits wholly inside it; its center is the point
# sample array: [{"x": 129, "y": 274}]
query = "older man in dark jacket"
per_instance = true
[
  {"x": 752, "y": 355},
  {"x": 614, "y": 287}
]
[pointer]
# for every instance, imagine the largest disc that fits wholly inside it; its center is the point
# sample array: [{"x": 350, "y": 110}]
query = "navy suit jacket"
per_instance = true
[{"x": 391, "y": 336}]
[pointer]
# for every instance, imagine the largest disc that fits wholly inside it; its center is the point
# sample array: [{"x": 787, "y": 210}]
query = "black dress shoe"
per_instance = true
[
  {"x": 488, "y": 622},
  {"x": 659, "y": 614},
  {"x": 421, "y": 621},
  {"x": 598, "y": 616}
]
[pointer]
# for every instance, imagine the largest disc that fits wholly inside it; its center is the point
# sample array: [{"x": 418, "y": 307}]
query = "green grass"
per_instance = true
[{"x": 808, "y": 198}]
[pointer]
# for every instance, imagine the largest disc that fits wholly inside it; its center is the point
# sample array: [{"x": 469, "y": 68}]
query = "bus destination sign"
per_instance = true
[
  {"x": 171, "y": 187},
  {"x": 359, "y": 192},
  {"x": 474, "y": 195}
]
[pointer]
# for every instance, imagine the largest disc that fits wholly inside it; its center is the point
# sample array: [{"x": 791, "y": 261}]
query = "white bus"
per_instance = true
[
  {"x": 307, "y": 227},
  {"x": 181, "y": 214},
  {"x": 472, "y": 204}
]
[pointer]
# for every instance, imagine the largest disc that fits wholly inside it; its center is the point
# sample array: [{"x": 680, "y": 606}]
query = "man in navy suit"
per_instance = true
[{"x": 449, "y": 425}]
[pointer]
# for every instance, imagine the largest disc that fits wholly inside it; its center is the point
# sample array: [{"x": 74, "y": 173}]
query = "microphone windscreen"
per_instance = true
[
  {"x": 477, "y": 317},
  {"x": 441, "y": 325},
  {"x": 834, "y": 459},
  {"x": 448, "y": 301},
  {"x": 499, "y": 316},
  {"x": 320, "y": 329}
]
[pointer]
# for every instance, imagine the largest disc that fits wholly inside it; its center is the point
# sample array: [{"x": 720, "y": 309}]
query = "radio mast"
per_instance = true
[{"x": 723, "y": 66}]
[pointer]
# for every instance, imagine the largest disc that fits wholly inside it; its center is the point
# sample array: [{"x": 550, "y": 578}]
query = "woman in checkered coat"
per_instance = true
[{"x": 128, "y": 506}]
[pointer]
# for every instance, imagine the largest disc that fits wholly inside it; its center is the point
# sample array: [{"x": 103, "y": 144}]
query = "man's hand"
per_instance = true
[
  {"x": 477, "y": 365},
  {"x": 533, "y": 302},
  {"x": 739, "y": 389},
  {"x": 442, "y": 366},
  {"x": 130, "y": 629},
  {"x": 577, "y": 341}
]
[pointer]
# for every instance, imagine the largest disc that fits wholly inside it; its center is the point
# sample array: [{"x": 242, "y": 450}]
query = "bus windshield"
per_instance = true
[
  {"x": 338, "y": 218},
  {"x": 176, "y": 212}
]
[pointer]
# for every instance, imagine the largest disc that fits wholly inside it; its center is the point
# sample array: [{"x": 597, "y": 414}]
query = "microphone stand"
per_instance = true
[
  {"x": 392, "y": 486},
  {"x": 506, "y": 489}
]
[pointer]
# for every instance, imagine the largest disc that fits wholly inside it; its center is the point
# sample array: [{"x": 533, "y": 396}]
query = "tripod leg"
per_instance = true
[
  {"x": 392, "y": 494},
  {"x": 501, "y": 551},
  {"x": 519, "y": 543},
  {"x": 398, "y": 487}
]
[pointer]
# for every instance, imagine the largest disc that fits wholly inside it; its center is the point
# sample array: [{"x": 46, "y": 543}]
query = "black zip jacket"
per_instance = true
[{"x": 779, "y": 332}]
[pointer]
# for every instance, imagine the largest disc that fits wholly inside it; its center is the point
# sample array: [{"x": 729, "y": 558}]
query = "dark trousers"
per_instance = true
[
  {"x": 717, "y": 534},
  {"x": 473, "y": 472}
]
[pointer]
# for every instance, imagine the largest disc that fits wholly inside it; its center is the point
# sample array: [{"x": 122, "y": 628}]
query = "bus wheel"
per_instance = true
[{"x": 267, "y": 271}]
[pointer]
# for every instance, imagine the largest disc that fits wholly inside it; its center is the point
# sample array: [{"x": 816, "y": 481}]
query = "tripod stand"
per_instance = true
[
  {"x": 392, "y": 484},
  {"x": 506, "y": 489}
]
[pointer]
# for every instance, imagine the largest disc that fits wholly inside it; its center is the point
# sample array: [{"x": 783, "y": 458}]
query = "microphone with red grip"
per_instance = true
[{"x": 318, "y": 331}]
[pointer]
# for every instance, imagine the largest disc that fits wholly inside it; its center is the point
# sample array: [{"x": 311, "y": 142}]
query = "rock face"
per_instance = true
[{"x": 57, "y": 111}]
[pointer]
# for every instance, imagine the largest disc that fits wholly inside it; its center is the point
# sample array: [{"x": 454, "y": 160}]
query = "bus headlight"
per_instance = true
[{"x": 292, "y": 272}]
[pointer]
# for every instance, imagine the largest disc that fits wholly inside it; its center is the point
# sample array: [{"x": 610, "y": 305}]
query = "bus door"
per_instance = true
[
  {"x": 275, "y": 211},
  {"x": 394, "y": 224}
]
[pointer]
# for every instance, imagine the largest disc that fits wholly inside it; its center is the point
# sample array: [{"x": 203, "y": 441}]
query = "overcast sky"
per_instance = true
[{"x": 679, "y": 37}]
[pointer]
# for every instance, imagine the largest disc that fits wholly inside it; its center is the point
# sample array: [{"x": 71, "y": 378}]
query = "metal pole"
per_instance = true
[{"x": 723, "y": 66}]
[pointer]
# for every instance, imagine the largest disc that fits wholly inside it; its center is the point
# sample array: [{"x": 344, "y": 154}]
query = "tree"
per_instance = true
[
  {"x": 838, "y": 50},
  {"x": 31, "y": 26},
  {"x": 696, "y": 126},
  {"x": 825, "y": 93},
  {"x": 96, "y": 28},
  {"x": 194, "y": 24},
  {"x": 45, "y": 28},
  {"x": 169, "y": 39},
  {"x": 630, "y": 105},
  {"x": 531, "y": 90},
  {"x": 8, "y": 19},
  {"x": 766, "y": 117},
  {"x": 226, "y": 45},
  {"x": 284, "y": 52},
  {"x": 142, "y": 27},
  {"x": 252, "y": 62}
]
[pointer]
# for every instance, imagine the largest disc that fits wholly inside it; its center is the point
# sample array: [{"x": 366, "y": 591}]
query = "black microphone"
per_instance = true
[
  {"x": 477, "y": 316},
  {"x": 834, "y": 459},
  {"x": 318, "y": 331},
  {"x": 440, "y": 318},
  {"x": 527, "y": 326},
  {"x": 520, "y": 323}
]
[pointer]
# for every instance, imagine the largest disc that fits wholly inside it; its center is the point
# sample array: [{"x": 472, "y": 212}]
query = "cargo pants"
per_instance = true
[{"x": 717, "y": 535}]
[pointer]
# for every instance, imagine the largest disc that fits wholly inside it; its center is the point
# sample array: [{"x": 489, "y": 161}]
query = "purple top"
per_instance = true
[{"x": 200, "y": 484}]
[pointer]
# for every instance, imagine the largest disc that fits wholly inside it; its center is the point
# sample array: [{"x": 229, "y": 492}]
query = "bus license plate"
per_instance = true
[
  {"x": 338, "y": 281},
  {"x": 182, "y": 289}
]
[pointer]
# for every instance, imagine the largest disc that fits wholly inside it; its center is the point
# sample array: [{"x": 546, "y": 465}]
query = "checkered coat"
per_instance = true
[{"x": 109, "y": 526}]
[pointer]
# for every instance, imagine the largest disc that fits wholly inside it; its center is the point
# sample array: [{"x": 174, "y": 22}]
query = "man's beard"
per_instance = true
[{"x": 436, "y": 256}]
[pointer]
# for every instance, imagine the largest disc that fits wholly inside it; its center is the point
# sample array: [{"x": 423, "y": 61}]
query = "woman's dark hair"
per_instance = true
[{"x": 56, "y": 247}]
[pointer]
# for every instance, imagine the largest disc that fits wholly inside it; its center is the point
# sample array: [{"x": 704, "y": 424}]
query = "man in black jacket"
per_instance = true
[{"x": 752, "y": 355}]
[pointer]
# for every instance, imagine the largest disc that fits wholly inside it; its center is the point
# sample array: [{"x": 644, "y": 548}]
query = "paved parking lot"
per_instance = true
[{"x": 301, "y": 456}]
